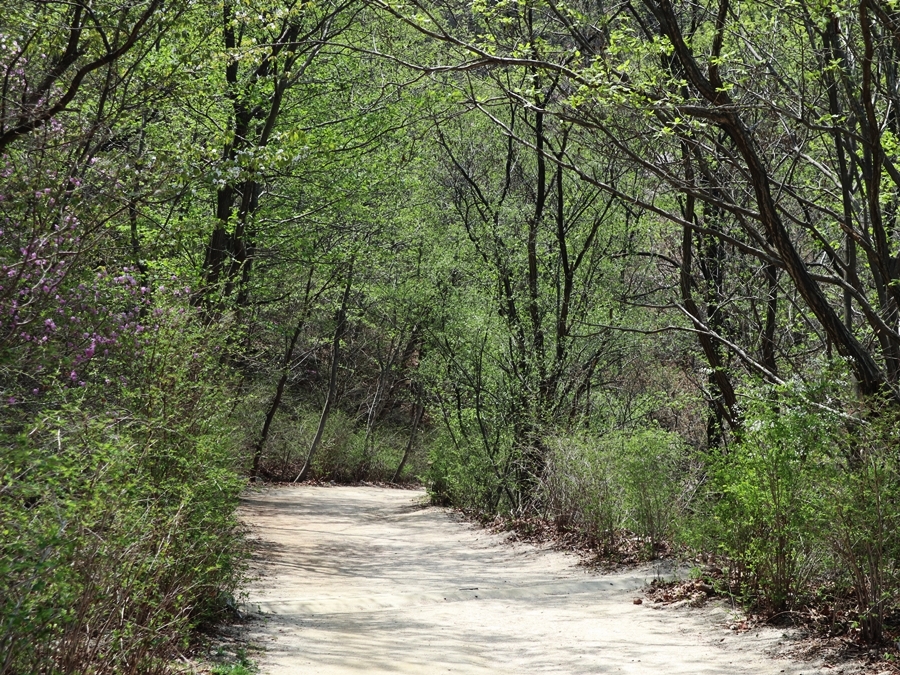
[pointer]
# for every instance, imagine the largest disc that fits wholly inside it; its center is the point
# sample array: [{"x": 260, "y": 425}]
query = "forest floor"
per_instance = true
[{"x": 371, "y": 580}]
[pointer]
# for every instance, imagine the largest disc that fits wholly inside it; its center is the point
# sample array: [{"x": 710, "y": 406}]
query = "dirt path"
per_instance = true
[{"x": 365, "y": 580}]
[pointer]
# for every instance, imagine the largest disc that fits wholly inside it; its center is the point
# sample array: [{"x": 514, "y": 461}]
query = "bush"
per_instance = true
[
  {"x": 809, "y": 498},
  {"x": 581, "y": 488},
  {"x": 765, "y": 498},
  {"x": 465, "y": 475},
  {"x": 104, "y": 565},
  {"x": 345, "y": 454},
  {"x": 117, "y": 510},
  {"x": 658, "y": 481},
  {"x": 863, "y": 527},
  {"x": 639, "y": 480}
]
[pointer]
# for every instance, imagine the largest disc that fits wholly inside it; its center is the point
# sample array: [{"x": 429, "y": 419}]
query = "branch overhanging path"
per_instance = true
[{"x": 367, "y": 580}]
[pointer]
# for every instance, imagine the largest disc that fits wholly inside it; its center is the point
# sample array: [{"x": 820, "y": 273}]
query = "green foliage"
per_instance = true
[
  {"x": 241, "y": 665},
  {"x": 468, "y": 475},
  {"x": 347, "y": 453},
  {"x": 862, "y": 518},
  {"x": 640, "y": 480},
  {"x": 657, "y": 478},
  {"x": 582, "y": 487},
  {"x": 807, "y": 497},
  {"x": 765, "y": 498},
  {"x": 119, "y": 533},
  {"x": 232, "y": 669}
]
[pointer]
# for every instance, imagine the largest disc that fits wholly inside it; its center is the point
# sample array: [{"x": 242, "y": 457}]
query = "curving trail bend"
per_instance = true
[{"x": 367, "y": 580}]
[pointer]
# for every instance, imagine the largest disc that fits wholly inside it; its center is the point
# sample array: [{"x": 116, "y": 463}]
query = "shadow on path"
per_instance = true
[{"x": 365, "y": 580}]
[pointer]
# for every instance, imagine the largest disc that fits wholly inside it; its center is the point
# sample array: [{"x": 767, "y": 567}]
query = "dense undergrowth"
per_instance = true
[
  {"x": 349, "y": 452},
  {"x": 117, "y": 509}
]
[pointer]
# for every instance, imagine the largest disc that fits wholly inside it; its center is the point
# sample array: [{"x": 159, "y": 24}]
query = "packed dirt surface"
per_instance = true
[{"x": 369, "y": 580}]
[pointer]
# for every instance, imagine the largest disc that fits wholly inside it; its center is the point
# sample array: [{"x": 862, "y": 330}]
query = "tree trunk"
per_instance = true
[
  {"x": 282, "y": 381},
  {"x": 339, "y": 329},
  {"x": 724, "y": 401},
  {"x": 417, "y": 418}
]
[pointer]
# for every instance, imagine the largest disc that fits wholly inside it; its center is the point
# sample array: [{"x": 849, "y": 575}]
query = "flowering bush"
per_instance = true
[
  {"x": 117, "y": 501},
  {"x": 118, "y": 466}
]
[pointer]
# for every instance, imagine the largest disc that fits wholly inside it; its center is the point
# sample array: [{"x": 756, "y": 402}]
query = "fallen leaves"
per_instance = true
[
  {"x": 622, "y": 549},
  {"x": 693, "y": 592}
]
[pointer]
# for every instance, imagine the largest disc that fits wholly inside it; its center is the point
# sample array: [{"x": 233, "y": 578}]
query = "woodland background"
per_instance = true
[{"x": 632, "y": 268}]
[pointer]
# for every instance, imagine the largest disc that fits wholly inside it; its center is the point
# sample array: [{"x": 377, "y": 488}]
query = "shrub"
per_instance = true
[
  {"x": 765, "y": 498},
  {"x": 464, "y": 474},
  {"x": 657, "y": 477},
  {"x": 345, "y": 454},
  {"x": 808, "y": 497},
  {"x": 112, "y": 548},
  {"x": 117, "y": 508},
  {"x": 863, "y": 518},
  {"x": 581, "y": 488},
  {"x": 640, "y": 480}
]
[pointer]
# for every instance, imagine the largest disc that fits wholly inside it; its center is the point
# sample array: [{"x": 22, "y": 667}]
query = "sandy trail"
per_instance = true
[{"x": 365, "y": 580}]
